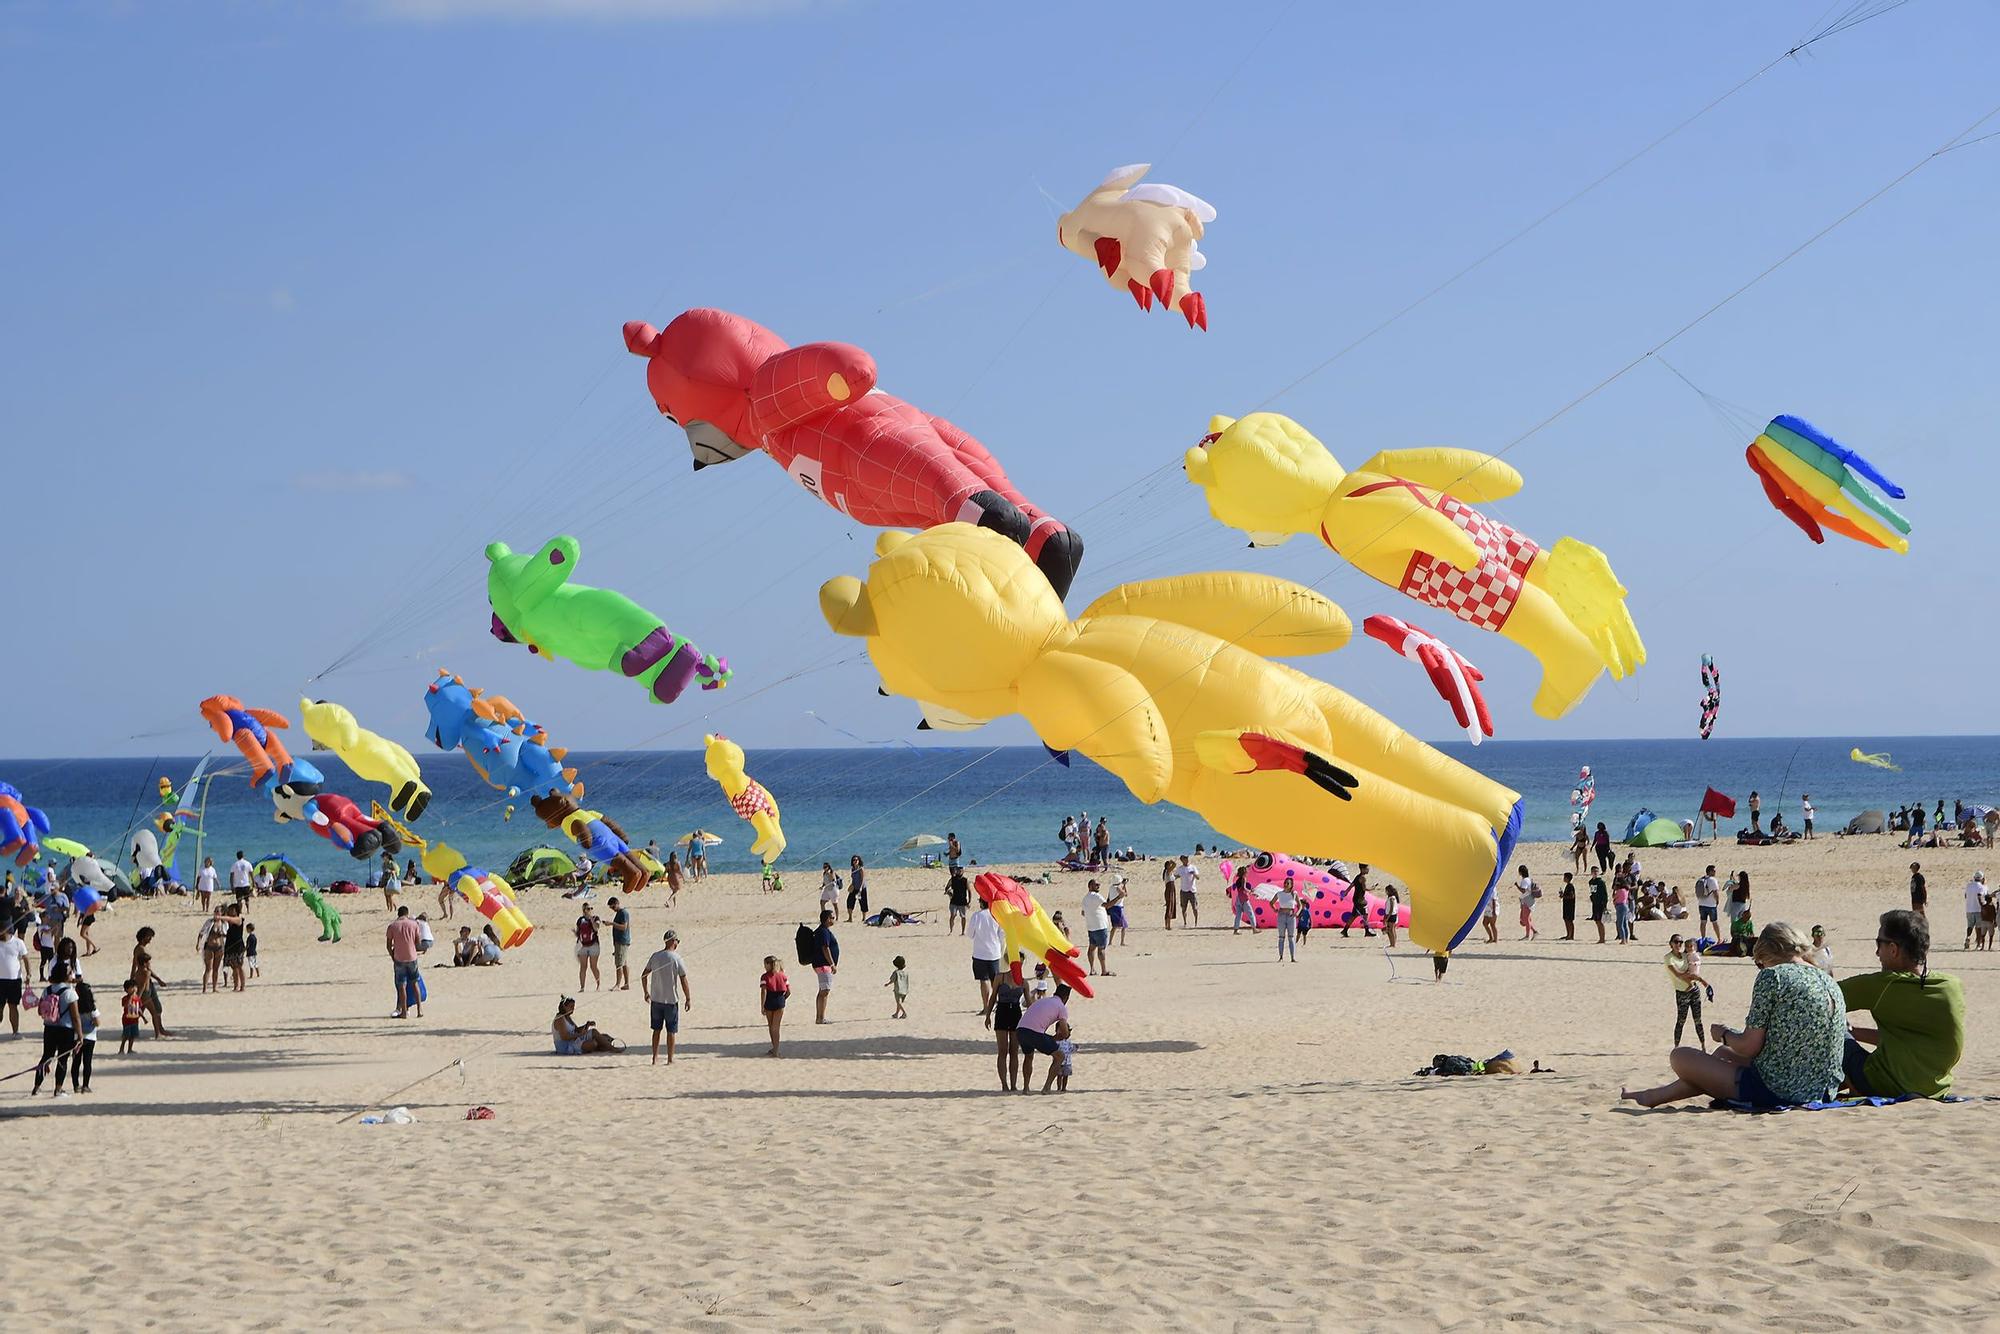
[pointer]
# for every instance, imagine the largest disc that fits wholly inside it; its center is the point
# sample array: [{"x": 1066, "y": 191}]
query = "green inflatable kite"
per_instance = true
[{"x": 534, "y": 603}]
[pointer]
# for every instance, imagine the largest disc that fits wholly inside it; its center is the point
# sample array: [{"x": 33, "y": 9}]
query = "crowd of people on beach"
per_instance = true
[{"x": 1795, "y": 1045}]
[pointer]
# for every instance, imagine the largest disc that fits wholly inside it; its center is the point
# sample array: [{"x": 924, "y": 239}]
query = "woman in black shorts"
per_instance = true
[
  {"x": 857, "y": 887},
  {"x": 1007, "y": 997}
]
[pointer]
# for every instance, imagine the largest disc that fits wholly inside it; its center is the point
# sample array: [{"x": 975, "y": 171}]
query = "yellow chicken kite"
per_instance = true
[{"x": 1165, "y": 684}]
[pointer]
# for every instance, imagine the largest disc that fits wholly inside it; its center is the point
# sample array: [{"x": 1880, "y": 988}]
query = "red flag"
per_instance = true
[{"x": 1716, "y": 804}]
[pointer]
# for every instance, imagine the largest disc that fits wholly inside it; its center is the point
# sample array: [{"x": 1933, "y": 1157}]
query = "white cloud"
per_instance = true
[
  {"x": 351, "y": 481},
  {"x": 449, "y": 11}
]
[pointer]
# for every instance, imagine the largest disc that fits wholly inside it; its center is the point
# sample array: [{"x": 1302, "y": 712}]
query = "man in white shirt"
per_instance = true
[
  {"x": 239, "y": 877},
  {"x": 1097, "y": 924},
  {"x": 1806, "y": 812},
  {"x": 664, "y": 984},
  {"x": 13, "y": 972},
  {"x": 1708, "y": 904},
  {"x": 1975, "y": 896},
  {"x": 1190, "y": 903},
  {"x": 989, "y": 945}
]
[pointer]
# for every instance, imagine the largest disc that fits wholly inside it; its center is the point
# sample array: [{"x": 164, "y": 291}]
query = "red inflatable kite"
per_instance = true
[{"x": 735, "y": 387}]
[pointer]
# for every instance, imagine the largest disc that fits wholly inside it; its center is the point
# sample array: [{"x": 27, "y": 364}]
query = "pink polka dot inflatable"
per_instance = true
[{"x": 1329, "y": 899}]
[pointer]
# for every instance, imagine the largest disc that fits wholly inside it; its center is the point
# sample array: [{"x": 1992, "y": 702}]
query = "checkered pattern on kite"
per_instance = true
[
  {"x": 752, "y": 801},
  {"x": 1484, "y": 595}
]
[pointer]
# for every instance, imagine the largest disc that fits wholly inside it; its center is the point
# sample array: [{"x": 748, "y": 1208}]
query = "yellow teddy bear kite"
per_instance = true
[
  {"x": 1163, "y": 683},
  {"x": 747, "y": 796},
  {"x": 374, "y": 758},
  {"x": 1405, "y": 517}
]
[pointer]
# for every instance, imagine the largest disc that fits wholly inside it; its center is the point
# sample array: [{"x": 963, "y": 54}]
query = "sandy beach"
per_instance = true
[{"x": 1242, "y": 1143}]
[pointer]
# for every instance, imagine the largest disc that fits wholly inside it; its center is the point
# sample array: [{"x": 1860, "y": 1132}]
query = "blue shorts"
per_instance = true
[
  {"x": 1117, "y": 915},
  {"x": 1751, "y": 1088},
  {"x": 1034, "y": 1041},
  {"x": 985, "y": 970},
  {"x": 667, "y": 1015},
  {"x": 406, "y": 973},
  {"x": 1100, "y": 939},
  {"x": 1853, "y": 1063}
]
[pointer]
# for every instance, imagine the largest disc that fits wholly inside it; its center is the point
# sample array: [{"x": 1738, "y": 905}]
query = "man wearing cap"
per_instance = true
[
  {"x": 1975, "y": 899},
  {"x": 663, "y": 972}
]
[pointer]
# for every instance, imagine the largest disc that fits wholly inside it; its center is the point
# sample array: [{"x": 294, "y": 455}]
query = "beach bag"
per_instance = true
[
  {"x": 807, "y": 945},
  {"x": 1454, "y": 1065}
]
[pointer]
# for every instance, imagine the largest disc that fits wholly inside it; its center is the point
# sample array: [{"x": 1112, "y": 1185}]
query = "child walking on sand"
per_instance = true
[
  {"x": 773, "y": 990},
  {"x": 899, "y": 980},
  {"x": 131, "y": 1010}
]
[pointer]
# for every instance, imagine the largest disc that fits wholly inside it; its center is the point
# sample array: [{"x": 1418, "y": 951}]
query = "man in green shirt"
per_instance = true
[{"x": 1919, "y": 1031}]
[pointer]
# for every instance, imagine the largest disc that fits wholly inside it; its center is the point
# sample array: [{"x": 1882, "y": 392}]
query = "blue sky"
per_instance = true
[{"x": 310, "y": 301}]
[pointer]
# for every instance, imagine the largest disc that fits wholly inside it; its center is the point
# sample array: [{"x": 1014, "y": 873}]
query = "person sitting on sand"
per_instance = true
[
  {"x": 574, "y": 1039},
  {"x": 489, "y": 948},
  {"x": 1788, "y": 1051},
  {"x": 1919, "y": 1031},
  {"x": 465, "y": 951}
]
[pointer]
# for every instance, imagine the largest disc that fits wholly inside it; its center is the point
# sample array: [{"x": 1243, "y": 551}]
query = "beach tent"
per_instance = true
[
  {"x": 1657, "y": 832},
  {"x": 1640, "y": 819},
  {"x": 277, "y": 863},
  {"x": 1868, "y": 822},
  {"x": 540, "y": 863}
]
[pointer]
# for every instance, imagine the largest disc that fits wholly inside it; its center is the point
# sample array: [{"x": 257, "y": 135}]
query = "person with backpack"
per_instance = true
[
  {"x": 825, "y": 963},
  {"x": 59, "y": 1026},
  {"x": 587, "y": 948}
]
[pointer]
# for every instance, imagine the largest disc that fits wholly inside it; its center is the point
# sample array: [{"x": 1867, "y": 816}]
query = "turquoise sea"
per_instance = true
[{"x": 1005, "y": 804}]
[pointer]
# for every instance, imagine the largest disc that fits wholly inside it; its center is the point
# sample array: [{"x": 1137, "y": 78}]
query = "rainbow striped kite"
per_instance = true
[{"x": 1812, "y": 480}]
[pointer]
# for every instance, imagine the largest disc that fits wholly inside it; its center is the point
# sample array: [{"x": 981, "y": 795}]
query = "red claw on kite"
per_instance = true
[
  {"x": 1109, "y": 253},
  {"x": 1456, "y": 680},
  {"x": 1141, "y": 294},
  {"x": 1196, "y": 311}
]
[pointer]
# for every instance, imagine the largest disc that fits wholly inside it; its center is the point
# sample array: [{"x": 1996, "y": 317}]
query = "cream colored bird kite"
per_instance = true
[{"x": 1144, "y": 238}]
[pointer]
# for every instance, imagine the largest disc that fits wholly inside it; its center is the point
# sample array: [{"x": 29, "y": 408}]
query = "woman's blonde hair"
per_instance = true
[{"x": 1779, "y": 942}]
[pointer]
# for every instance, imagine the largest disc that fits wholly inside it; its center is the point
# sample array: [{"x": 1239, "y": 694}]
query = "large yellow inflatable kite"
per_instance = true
[
  {"x": 1405, "y": 517},
  {"x": 1163, "y": 683},
  {"x": 374, "y": 758}
]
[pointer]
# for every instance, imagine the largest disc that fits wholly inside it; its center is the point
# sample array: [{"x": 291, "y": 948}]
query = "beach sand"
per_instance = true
[{"x": 1242, "y": 1144}]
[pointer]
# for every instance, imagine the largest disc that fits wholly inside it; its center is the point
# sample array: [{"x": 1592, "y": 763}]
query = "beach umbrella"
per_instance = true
[
  {"x": 708, "y": 840},
  {"x": 920, "y": 841},
  {"x": 1970, "y": 813},
  {"x": 540, "y": 863},
  {"x": 278, "y": 861},
  {"x": 68, "y": 847}
]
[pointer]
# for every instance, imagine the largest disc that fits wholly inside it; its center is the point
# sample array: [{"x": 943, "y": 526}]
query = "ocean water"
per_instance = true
[{"x": 1005, "y": 804}]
